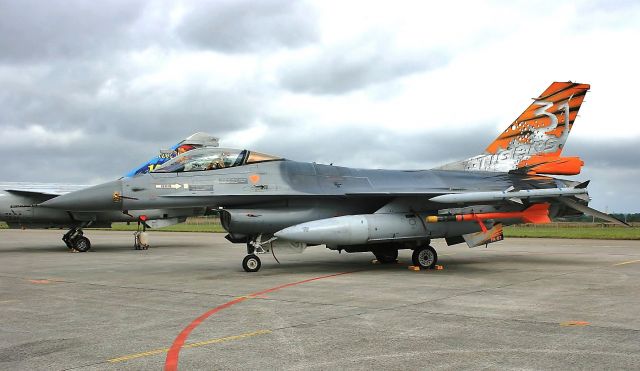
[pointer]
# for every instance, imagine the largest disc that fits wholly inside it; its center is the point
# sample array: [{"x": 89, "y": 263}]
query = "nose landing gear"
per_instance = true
[
  {"x": 75, "y": 240},
  {"x": 251, "y": 262},
  {"x": 141, "y": 239}
]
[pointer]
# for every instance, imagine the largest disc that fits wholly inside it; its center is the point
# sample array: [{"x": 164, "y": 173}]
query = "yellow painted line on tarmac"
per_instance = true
[
  {"x": 192, "y": 345},
  {"x": 252, "y": 297},
  {"x": 138, "y": 355},
  {"x": 228, "y": 338},
  {"x": 627, "y": 262}
]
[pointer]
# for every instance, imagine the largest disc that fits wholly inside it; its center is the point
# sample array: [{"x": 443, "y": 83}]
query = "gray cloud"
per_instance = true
[
  {"x": 132, "y": 113},
  {"x": 36, "y": 31},
  {"x": 374, "y": 148},
  {"x": 621, "y": 153},
  {"x": 237, "y": 26},
  {"x": 355, "y": 66}
]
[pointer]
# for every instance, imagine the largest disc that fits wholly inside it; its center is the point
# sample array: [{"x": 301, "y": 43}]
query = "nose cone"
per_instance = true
[{"x": 106, "y": 196}]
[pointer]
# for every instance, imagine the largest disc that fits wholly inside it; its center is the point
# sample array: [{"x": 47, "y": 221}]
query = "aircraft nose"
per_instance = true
[{"x": 106, "y": 196}]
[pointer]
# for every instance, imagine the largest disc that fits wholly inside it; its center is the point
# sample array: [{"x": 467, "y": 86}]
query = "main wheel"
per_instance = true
[
  {"x": 387, "y": 256},
  {"x": 81, "y": 244},
  {"x": 251, "y": 263},
  {"x": 425, "y": 257}
]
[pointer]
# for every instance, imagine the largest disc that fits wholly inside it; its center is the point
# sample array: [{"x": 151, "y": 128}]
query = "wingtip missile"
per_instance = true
[{"x": 492, "y": 196}]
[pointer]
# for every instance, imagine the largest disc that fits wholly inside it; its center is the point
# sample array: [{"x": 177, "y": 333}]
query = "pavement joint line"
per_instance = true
[
  {"x": 261, "y": 297},
  {"x": 189, "y": 345},
  {"x": 493, "y": 288},
  {"x": 194, "y": 292},
  {"x": 627, "y": 262},
  {"x": 518, "y": 320},
  {"x": 373, "y": 310},
  {"x": 147, "y": 288}
]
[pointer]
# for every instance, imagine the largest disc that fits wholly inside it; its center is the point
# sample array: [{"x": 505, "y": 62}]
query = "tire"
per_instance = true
[
  {"x": 388, "y": 256},
  {"x": 425, "y": 257},
  {"x": 251, "y": 263},
  {"x": 81, "y": 244}
]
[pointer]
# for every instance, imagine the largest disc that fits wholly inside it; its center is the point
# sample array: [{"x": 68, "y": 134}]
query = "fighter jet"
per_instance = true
[
  {"x": 18, "y": 202},
  {"x": 272, "y": 204}
]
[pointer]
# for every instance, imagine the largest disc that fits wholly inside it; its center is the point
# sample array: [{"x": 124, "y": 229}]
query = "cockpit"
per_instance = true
[{"x": 212, "y": 158}]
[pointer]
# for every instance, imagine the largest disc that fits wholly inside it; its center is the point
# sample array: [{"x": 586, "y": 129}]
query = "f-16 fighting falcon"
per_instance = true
[
  {"x": 271, "y": 203},
  {"x": 18, "y": 202}
]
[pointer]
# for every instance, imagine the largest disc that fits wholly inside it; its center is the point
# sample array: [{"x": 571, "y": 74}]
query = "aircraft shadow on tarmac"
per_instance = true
[
  {"x": 484, "y": 264},
  {"x": 357, "y": 262},
  {"x": 40, "y": 248}
]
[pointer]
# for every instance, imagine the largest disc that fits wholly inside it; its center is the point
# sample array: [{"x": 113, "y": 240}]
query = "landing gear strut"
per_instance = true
[
  {"x": 75, "y": 240},
  {"x": 141, "y": 239},
  {"x": 251, "y": 262},
  {"x": 425, "y": 257}
]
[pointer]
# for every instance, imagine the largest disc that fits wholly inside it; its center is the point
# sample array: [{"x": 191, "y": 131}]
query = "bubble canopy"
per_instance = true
[{"x": 211, "y": 159}]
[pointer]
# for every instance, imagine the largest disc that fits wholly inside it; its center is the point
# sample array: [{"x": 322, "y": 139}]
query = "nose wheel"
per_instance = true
[
  {"x": 425, "y": 257},
  {"x": 251, "y": 263},
  {"x": 81, "y": 244}
]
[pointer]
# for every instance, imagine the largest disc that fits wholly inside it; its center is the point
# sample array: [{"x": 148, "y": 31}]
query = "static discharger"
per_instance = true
[{"x": 537, "y": 214}]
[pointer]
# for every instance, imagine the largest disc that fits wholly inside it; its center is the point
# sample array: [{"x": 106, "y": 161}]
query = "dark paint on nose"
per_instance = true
[{"x": 106, "y": 196}]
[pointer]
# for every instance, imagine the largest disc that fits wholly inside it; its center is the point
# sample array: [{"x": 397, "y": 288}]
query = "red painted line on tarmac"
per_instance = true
[{"x": 171, "y": 362}]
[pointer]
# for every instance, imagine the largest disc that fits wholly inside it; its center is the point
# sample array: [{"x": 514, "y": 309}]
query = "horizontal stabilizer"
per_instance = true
[
  {"x": 42, "y": 196},
  {"x": 593, "y": 212}
]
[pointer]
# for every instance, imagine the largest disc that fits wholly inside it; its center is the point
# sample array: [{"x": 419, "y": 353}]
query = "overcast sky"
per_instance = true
[{"x": 91, "y": 89}]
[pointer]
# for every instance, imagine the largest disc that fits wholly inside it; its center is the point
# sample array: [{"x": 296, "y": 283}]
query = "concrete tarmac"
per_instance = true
[{"x": 520, "y": 304}]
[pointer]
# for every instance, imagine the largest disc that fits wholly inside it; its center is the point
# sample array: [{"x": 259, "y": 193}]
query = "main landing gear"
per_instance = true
[
  {"x": 75, "y": 240},
  {"x": 386, "y": 256},
  {"x": 425, "y": 257}
]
